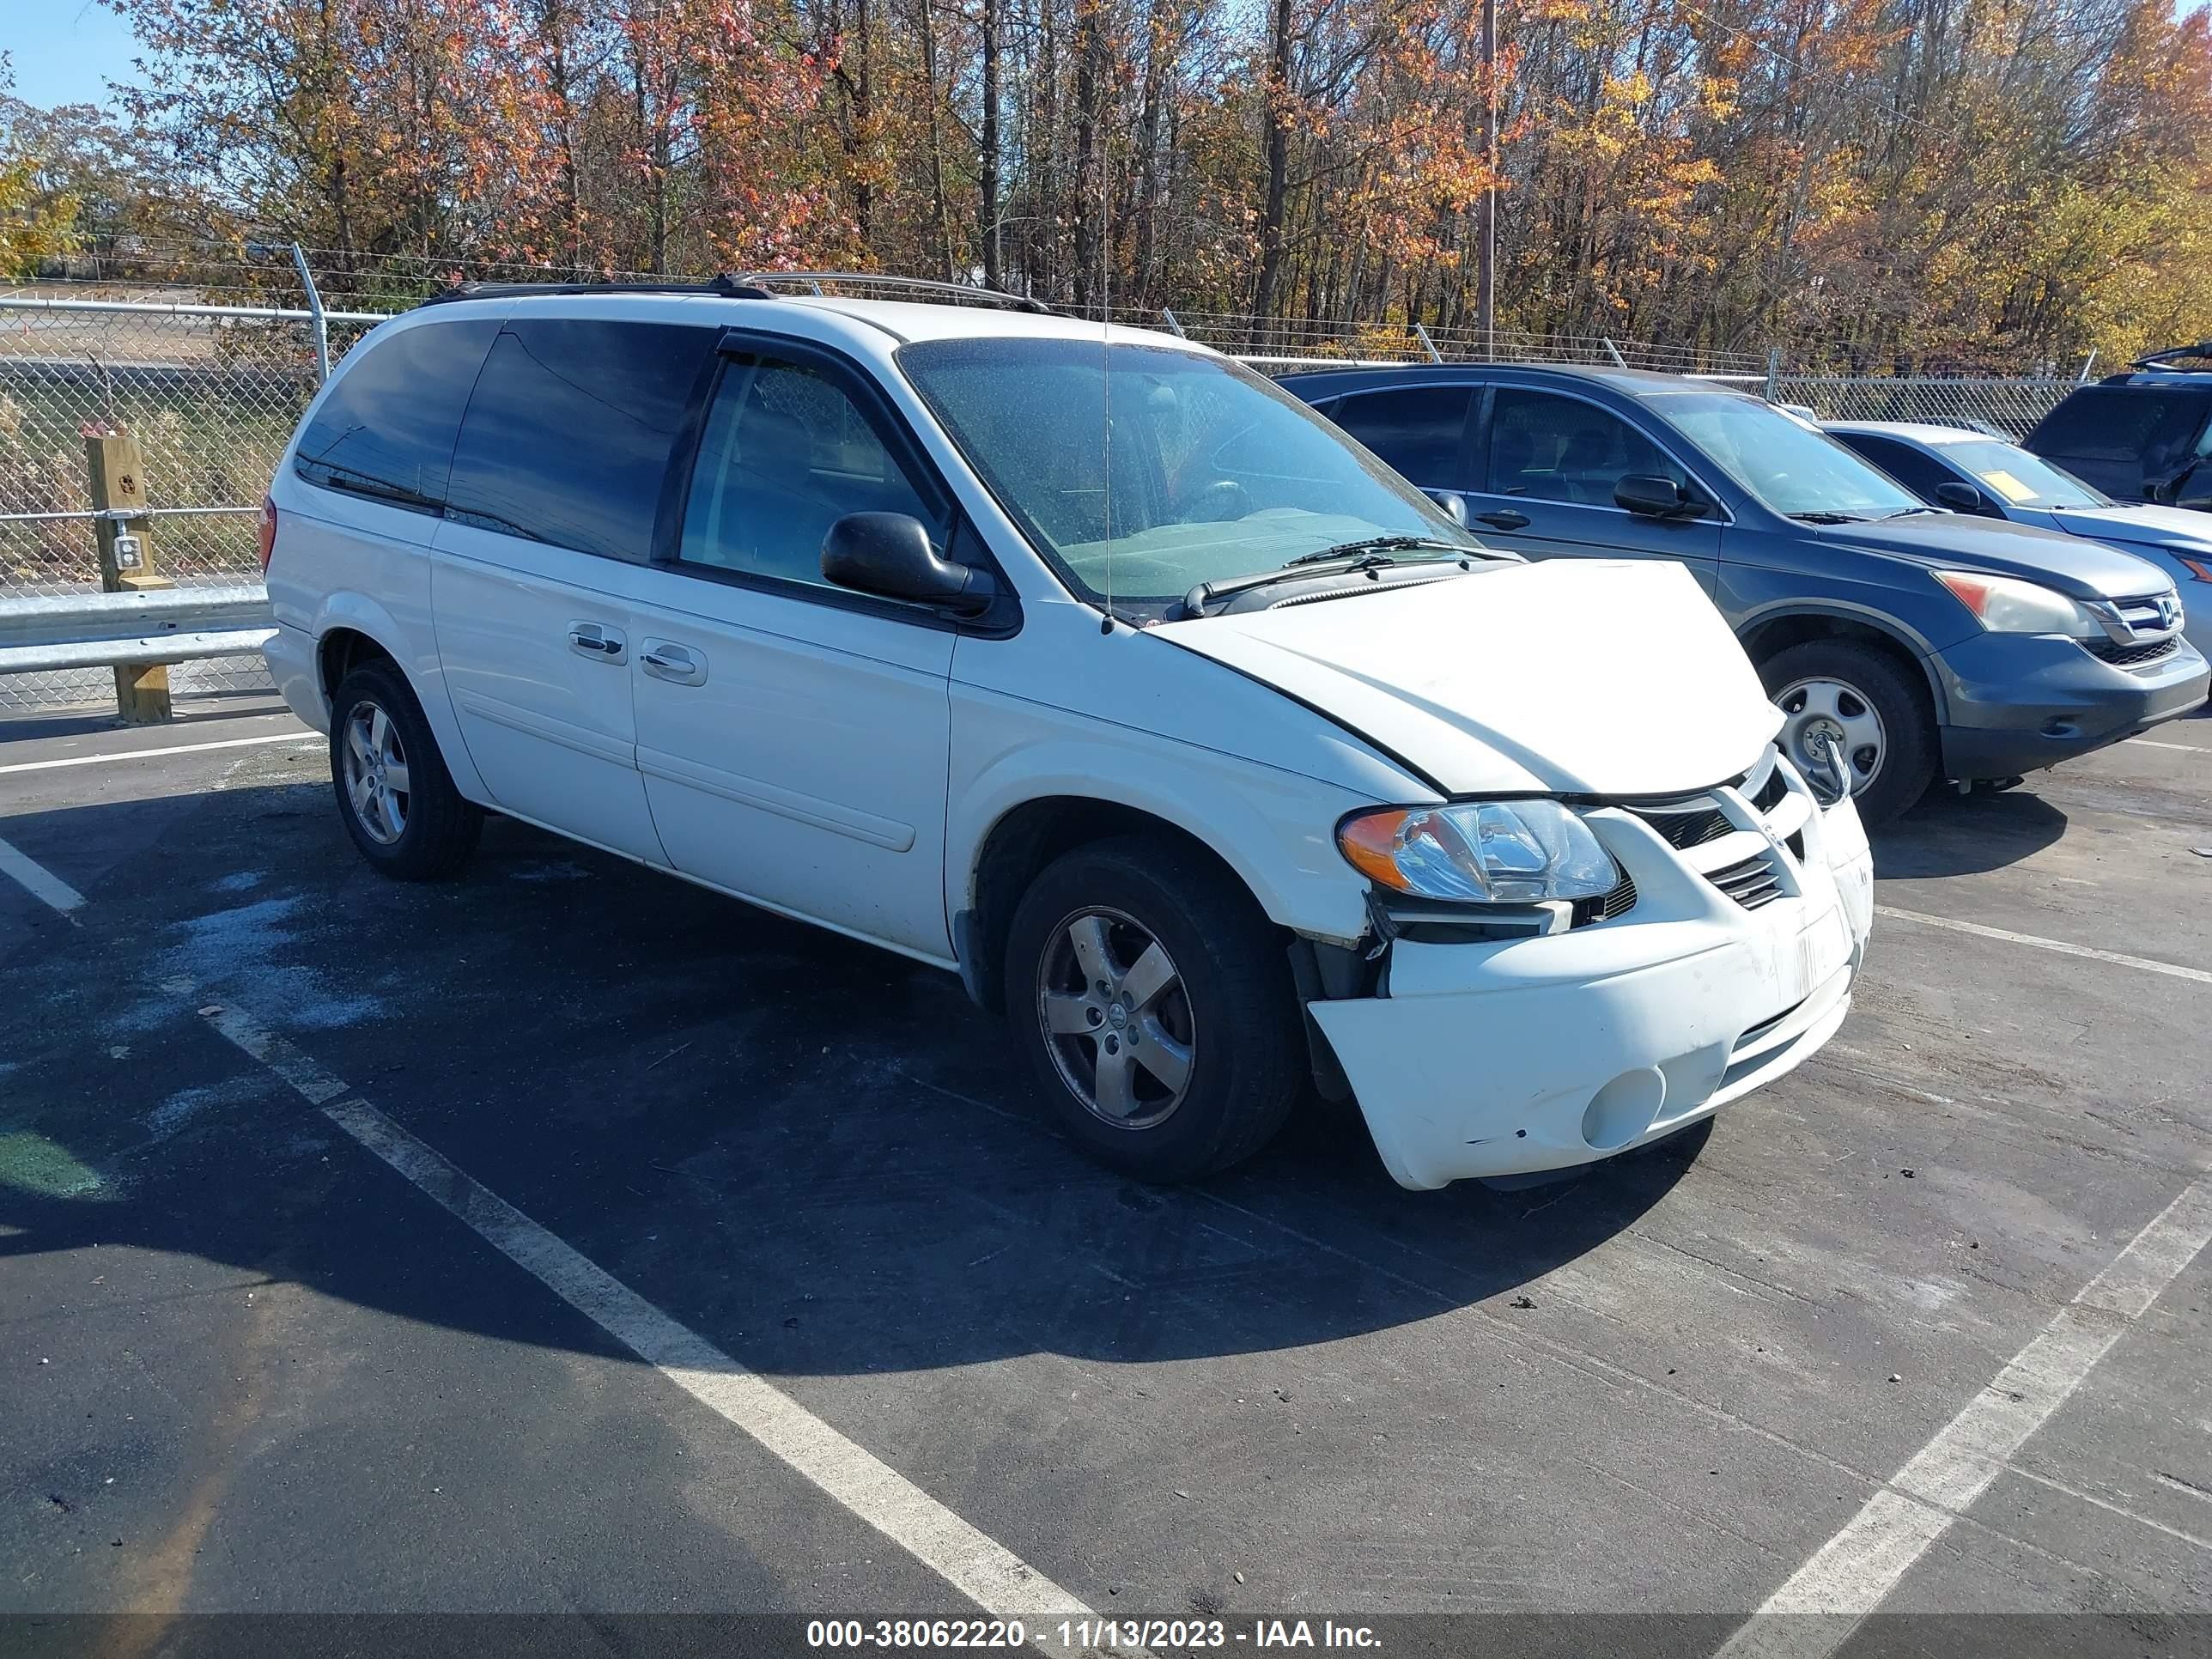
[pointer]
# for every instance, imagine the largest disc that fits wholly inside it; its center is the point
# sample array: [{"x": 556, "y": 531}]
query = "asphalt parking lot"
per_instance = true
[{"x": 566, "y": 1240}]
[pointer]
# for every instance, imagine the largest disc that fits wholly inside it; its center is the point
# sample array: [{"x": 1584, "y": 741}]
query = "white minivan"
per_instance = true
[{"x": 1088, "y": 666}]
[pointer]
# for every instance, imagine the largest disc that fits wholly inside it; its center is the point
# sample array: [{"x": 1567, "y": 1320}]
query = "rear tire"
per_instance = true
[
  {"x": 1155, "y": 1001},
  {"x": 394, "y": 794},
  {"x": 1869, "y": 700}
]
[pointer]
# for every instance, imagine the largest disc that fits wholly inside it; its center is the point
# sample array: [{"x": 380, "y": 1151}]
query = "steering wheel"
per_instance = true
[{"x": 1215, "y": 502}]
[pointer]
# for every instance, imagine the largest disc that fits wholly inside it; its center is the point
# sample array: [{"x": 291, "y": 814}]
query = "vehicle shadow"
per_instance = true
[
  {"x": 1951, "y": 835},
  {"x": 817, "y": 1154}
]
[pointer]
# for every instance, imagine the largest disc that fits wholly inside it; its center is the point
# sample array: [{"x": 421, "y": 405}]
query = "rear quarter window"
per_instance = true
[
  {"x": 568, "y": 436},
  {"x": 2151, "y": 425},
  {"x": 387, "y": 427}
]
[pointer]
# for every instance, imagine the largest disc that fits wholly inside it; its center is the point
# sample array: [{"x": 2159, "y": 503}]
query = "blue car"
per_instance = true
[
  {"x": 1971, "y": 472},
  {"x": 1923, "y": 643}
]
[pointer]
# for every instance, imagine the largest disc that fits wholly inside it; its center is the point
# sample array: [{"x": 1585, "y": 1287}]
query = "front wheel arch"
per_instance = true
[
  {"x": 1026, "y": 841},
  {"x": 1771, "y": 634}
]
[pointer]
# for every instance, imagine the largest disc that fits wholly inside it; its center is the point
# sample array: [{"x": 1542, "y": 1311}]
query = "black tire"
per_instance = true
[
  {"x": 438, "y": 827},
  {"x": 1910, "y": 745},
  {"x": 1247, "y": 1049}
]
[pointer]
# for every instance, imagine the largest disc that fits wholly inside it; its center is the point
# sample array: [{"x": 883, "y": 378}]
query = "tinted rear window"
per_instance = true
[
  {"x": 1418, "y": 429},
  {"x": 387, "y": 426},
  {"x": 2124, "y": 423},
  {"x": 568, "y": 436}
]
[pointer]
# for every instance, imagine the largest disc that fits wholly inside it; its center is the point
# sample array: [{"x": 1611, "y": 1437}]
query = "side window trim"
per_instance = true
[
  {"x": 957, "y": 537},
  {"x": 1720, "y": 513}
]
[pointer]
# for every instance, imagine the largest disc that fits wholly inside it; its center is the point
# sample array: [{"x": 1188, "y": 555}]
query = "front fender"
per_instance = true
[
  {"x": 1276, "y": 830},
  {"x": 1907, "y": 638}
]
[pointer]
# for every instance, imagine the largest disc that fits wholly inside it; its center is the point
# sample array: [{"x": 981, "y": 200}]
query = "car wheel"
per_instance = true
[
  {"x": 394, "y": 794},
  {"x": 1156, "y": 1002},
  {"x": 1860, "y": 698}
]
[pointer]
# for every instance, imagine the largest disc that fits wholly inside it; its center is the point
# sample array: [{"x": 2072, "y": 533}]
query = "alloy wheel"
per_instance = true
[
  {"x": 1116, "y": 1017},
  {"x": 376, "y": 781}
]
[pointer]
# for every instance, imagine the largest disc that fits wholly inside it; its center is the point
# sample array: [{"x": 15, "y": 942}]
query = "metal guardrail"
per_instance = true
[{"x": 42, "y": 633}]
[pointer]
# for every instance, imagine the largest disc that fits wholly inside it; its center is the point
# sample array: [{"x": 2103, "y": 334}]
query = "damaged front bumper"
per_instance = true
[{"x": 1535, "y": 1053}]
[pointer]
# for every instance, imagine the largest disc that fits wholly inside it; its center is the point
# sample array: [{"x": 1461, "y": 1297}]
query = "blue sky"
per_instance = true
[{"x": 66, "y": 52}]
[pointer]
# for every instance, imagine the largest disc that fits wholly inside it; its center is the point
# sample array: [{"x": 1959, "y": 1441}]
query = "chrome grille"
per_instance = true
[{"x": 2146, "y": 614}]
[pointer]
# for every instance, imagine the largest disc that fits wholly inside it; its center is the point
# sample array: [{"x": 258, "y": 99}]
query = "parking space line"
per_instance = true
[
  {"x": 1980, "y": 931},
  {"x": 2152, "y": 743},
  {"x": 40, "y": 882},
  {"x": 977, "y": 1566},
  {"x": 1848, "y": 1576},
  {"x": 153, "y": 754}
]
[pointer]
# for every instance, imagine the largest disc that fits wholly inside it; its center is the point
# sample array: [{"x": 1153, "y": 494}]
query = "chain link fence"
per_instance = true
[
  {"x": 213, "y": 391},
  {"x": 2007, "y": 408}
]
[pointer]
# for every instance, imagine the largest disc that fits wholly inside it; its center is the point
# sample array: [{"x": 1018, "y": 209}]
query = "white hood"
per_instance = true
[{"x": 1574, "y": 675}]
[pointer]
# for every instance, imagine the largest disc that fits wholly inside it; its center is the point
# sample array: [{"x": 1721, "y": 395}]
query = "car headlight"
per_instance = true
[
  {"x": 2193, "y": 557},
  {"x": 1505, "y": 852},
  {"x": 2005, "y": 604}
]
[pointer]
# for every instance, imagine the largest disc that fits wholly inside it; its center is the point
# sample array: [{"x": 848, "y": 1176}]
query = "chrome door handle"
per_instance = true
[
  {"x": 597, "y": 642},
  {"x": 665, "y": 660}
]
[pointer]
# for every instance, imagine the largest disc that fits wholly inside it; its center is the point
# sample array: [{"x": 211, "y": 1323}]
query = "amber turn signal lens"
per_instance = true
[{"x": 1370, "y": 841}]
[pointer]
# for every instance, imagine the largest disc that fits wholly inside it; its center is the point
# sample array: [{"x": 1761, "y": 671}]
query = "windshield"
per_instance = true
[
  {"x": 2020, "y": 479},
  {"x": 1788, "y": 465},
  {"x": 1214, "y": 472}
]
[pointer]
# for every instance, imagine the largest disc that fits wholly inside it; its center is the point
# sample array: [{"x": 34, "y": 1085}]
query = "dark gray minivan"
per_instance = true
[{"x": 1926, "y": 643}]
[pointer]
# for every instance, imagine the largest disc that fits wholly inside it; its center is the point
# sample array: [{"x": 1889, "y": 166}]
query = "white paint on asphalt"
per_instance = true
[
  {"x": 2149, "y": 743},
  {"x": 1815, "y": 1611},
  {"x": 156, "y": 754},
  {"x": 980, "y": 1567},
  {"x": 40, "y": 883},
  {"x": 2063, "y": 948}
]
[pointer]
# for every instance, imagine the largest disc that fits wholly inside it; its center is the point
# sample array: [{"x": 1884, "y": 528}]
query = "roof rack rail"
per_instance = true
[
  {"x": 724, "y": 286},
  {"x": 974, "y": 294},
  {"x": 2172, "y": 357},
  {"x": 753, "y": 285}
]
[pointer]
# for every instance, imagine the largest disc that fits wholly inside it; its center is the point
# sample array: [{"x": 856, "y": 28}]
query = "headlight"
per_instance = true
[
  {"x": 2005, "y": 604},
  {"x": 1507, "y": 852},
  {"x": 2193, "y": 557}
]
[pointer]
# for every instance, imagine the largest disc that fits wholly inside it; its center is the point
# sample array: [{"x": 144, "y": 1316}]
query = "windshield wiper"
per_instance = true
[
  {"x": 1378, "y": 545},
  {"x": 1907, "y": 512},
  {"x": 1371, "y": 554},
  {"x": 1829, "y": 518}
]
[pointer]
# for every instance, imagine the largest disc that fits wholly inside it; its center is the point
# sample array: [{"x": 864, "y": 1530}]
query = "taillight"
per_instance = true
[{"x": 268, "y": 531}]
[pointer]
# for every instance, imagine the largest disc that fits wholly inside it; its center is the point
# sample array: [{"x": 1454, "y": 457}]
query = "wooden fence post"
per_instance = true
[{"x": 116, "y": 472}]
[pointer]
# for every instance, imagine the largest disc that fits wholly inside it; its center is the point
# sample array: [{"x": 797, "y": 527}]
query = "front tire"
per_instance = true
[
  {"x": 1862, "y": 697},
  {"x": 1156, "y": 1004},
  {"x": 394, "y": 794}
]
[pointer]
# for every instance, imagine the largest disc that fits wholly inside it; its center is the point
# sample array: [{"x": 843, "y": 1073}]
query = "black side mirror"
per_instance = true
[
  {"x": 1958, "y": 496},
  {"x": 888, "y": 554},
  {"x": 1453, "y": 503},
  {"x": 1654, "y": 498}
]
